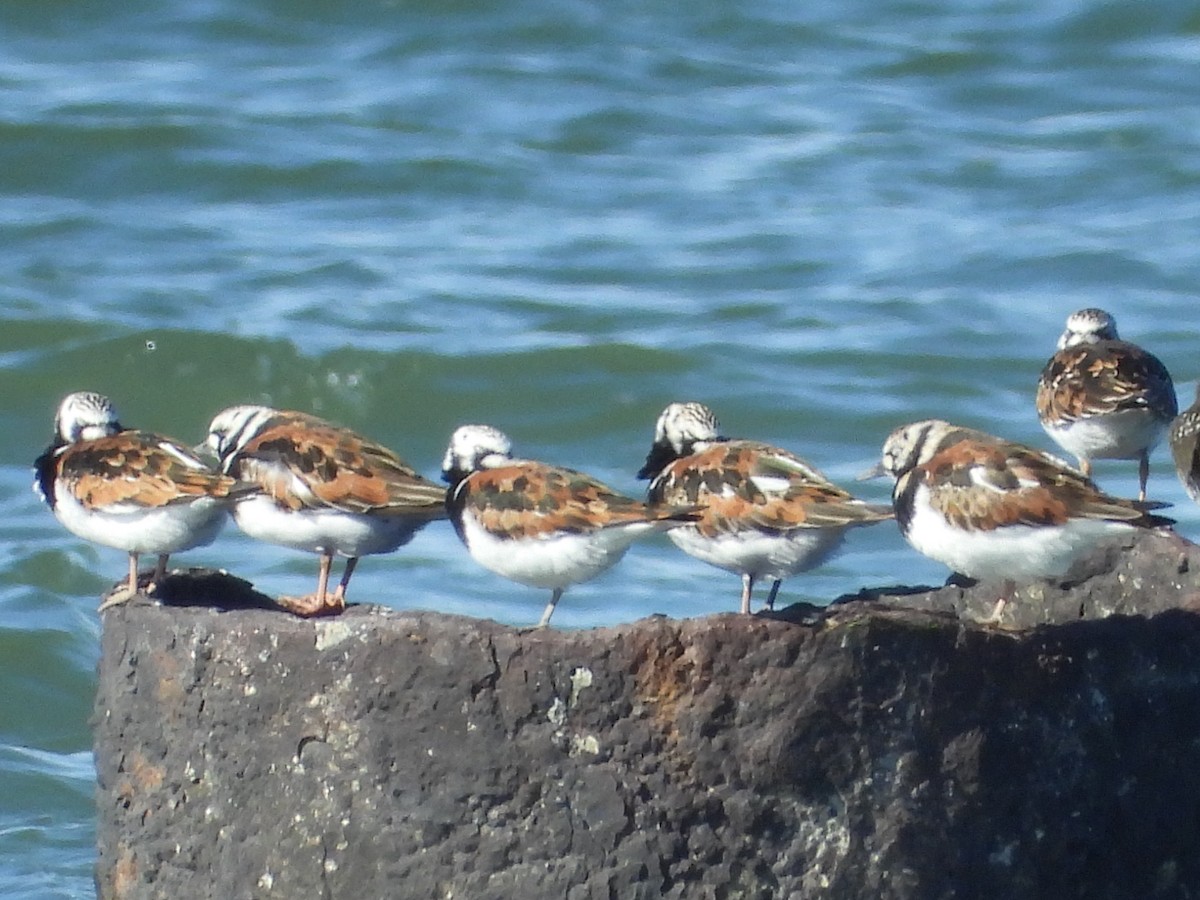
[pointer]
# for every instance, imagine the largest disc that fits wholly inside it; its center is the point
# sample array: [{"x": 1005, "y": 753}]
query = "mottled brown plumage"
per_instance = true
[
  {"x": 327, "y": 490},
  {"x": 1100, "y": 379},
  {"x": 134, "y": 490},
  {"x": 1184, "y": 438},
  {"x": 991, "y": 508},
  {"x": 721, "y": 481},
  {"x": 305, "y": 462},
  {"x": 764, "y": 511},
  {"x": 532, "y": 500},
  {"x": 1101, "y": 397},
  {"x": 980, "y": 483},
  {"x": 134, "y": 467},
  {"x": 538, "y": 524}
]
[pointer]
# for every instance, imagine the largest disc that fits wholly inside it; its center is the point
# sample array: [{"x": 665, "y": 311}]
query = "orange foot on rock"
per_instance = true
[{"x": 312, "y": 605}]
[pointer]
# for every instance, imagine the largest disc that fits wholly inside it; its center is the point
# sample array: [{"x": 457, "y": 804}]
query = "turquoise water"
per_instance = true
[{"x": 822, "y": 219}]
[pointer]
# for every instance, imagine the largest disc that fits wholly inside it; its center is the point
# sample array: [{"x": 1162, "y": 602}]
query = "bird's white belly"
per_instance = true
[
  {"x": 323, "y": 530},
  {"x": 1120, "y": 435},
  {"x": 1017, "y": 552},
  {"x": 759, "y": 554},
  {"x": 167, "y": 529},
  {"x": 550, "y": 562}
]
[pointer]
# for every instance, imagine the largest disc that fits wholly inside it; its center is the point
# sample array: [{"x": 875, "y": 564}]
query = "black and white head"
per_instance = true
[
  {"x": 912, "y": 445},
  {"x": 233, "y": 428},
  {"x": 682, "y": 429},
  {"x": 85, "y": 416},
  {"x": 472, "y": 448},
  {"x": 1088, "y": 326}
]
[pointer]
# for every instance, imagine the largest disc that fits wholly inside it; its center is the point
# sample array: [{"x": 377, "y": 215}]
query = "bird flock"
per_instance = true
[{"x": 986, "y": 507}]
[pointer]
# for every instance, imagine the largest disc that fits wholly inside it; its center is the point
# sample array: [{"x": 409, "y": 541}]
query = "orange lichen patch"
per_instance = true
[
  {"x": 667, "y": 675},
  {"x": 168, "y": 688},
  {"x": 125, "y": 872},
  {"x": 143, "y": 775}
]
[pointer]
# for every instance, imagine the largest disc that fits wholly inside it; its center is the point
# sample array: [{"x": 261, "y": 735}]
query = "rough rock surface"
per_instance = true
[{"x": 885, "y": 747}]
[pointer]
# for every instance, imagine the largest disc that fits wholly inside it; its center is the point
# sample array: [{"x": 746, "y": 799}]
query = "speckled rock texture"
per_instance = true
[{"x": 885, "y": 747}]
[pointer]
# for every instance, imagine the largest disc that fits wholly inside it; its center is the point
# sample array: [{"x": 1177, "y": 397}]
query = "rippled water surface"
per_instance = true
[{"x": 823, "y": 219}]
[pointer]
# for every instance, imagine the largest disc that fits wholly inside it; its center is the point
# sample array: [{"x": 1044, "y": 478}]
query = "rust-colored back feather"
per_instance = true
[
  {"x": 1102, "y": 378},
  {"x": 337, "y": 468},
  {"x": 530, "y": 499},
  {"x": 984, "y": 486},
  {"x": 134, "y": 467},
  {"x": 720, "y": 480}
]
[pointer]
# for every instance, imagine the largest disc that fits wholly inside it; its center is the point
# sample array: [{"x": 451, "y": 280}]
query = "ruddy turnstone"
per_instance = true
[
  {"x": 324, "y": 489},
  {"x": 1184, "y": 438},
  {"x": 538, "y": 524},
  {"x": 133, "y": 490},
  {"x": 1103, "y": 398},
  {"x": 993, "y": 509},
  {"x": 766, "y": 513}
]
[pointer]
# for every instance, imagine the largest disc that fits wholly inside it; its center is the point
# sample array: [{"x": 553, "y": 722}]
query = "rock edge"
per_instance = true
[{"x": 885, "y": 746}]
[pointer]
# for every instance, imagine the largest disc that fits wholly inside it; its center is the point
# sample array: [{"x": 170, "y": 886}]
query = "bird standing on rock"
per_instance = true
[
  {"x": 538, "y": 524},
  {"x": 765, "y": 512},
  {"x": 133, "y": 490},
  {"x": 995, "y": 509},
  {"x": 323, "y": 489},
  {"x": 1101, "y": 397}
]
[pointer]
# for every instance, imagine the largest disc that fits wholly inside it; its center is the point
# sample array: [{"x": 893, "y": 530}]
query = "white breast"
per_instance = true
[
  {"x": 551, "y": 562},
  {"x": 323, "y": 530},
  {"x": 1019, "y": 552},
  {"x": 760, "y": 554},
  {"x": 1119, "y": 435},
  {"x": 166, "y": 529}
]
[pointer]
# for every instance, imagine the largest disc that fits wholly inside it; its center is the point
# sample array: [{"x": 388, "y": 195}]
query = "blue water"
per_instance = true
[{"x": 822, "y": 219}]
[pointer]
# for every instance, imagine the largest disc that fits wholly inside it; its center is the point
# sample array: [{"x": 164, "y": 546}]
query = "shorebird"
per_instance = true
[
  {"x": 323, "y": 489},
  {"x": 133, "y": 490},
  {"x": 1101, "y": 397},
  {"x": 538, "y": 524},
  {"x": 764, "y": 512},
  {"x": 995, "y": 509}
]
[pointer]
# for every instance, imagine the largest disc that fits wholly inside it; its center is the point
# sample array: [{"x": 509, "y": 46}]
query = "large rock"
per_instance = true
[{"x": 886, "y": 747}]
